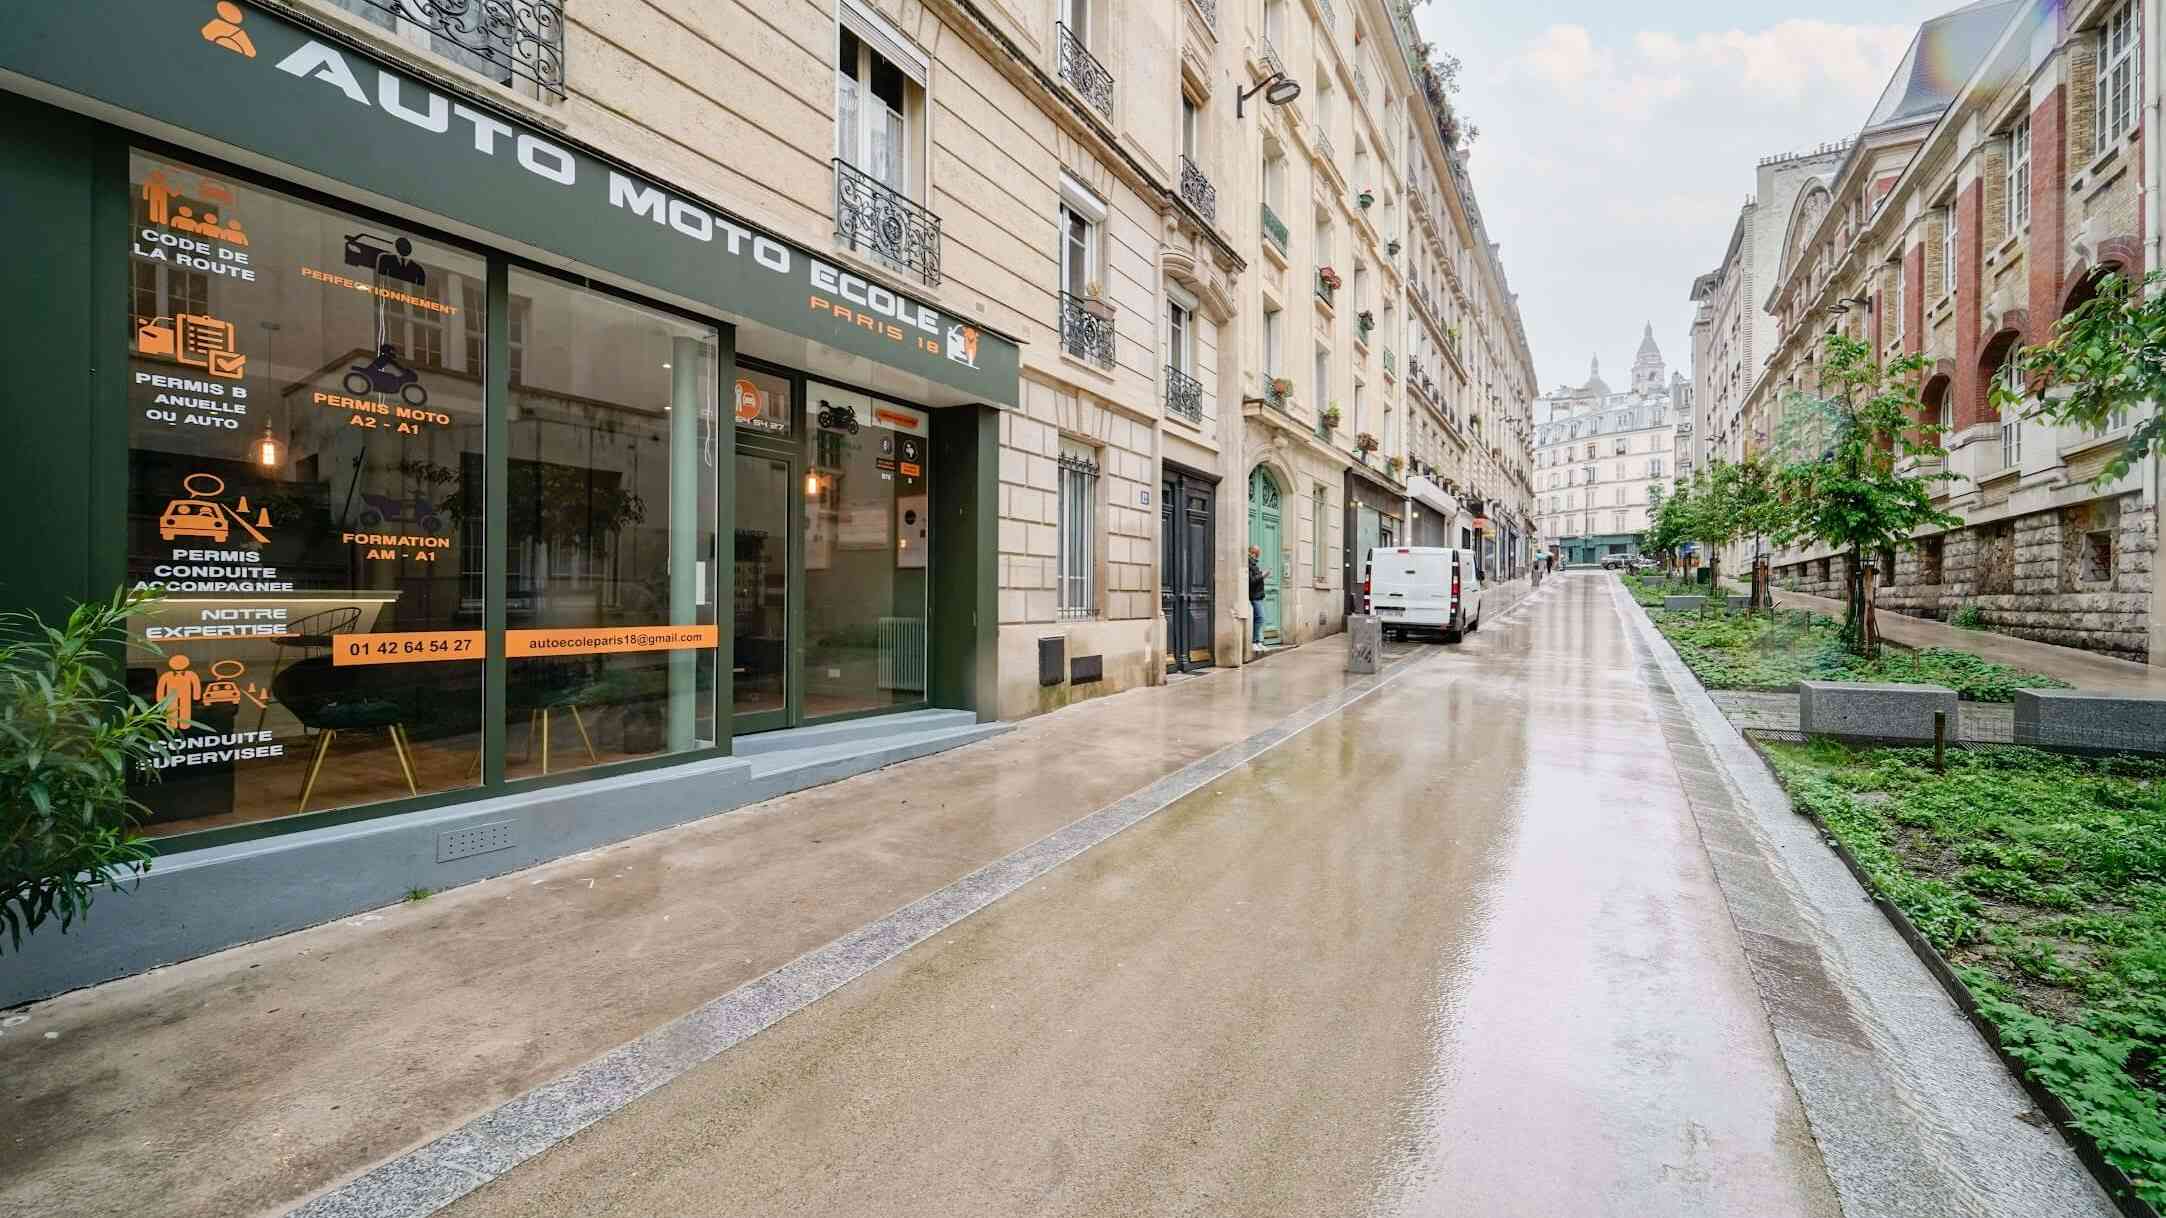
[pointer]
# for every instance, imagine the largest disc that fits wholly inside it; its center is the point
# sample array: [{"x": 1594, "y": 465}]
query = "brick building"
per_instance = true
[{"x": 1963, "y": 222}]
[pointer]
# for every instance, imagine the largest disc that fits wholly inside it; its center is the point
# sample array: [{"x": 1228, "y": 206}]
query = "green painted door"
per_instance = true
[{"x": 1264, "y": 533}]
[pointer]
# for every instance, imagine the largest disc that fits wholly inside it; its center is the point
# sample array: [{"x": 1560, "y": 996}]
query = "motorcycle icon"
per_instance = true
[
  {"x": 838, "y": 418},
  {"x": 385, "y": 374}
]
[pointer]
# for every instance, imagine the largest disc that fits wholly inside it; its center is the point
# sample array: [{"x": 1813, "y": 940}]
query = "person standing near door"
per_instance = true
[{"x": 1256, "y": 596}]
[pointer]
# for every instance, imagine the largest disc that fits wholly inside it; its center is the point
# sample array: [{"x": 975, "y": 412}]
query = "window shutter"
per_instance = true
[{"x": 882, "y": 36}]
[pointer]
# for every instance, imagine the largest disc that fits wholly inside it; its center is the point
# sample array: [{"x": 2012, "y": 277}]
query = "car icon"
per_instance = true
[{"x": 192, "y": 518}]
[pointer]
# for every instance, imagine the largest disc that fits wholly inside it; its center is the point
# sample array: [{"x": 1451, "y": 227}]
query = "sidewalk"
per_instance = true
[
  {"x": 2082, "y": 669},
  {"x": 242, "y": 1082}
]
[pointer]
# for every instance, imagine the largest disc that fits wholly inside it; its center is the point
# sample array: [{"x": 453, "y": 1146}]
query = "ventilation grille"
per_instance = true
[{"x": 473, "y": 839}]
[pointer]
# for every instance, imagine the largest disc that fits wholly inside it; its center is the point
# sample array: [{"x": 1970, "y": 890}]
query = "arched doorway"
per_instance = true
[{"x": 1266, "y": 534}]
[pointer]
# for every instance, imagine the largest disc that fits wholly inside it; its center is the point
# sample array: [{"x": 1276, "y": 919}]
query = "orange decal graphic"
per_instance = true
[
  {"x": 194, "y": 339},
  {"x": 160, "y": 192},
  {"x": 225, "y": 30},
  {"x": 409, "y": 647},
  {"x": 179, "y": 689},
  {"x": 597, "y": 640},
  {"x": 225, "y": 687},
  {"x": 202, "y": 514},
  {"x": 748, "y": 400}
]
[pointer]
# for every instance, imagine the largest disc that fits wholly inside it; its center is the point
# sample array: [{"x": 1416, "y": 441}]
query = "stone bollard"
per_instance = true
[{"x": 1364, "y": 642}]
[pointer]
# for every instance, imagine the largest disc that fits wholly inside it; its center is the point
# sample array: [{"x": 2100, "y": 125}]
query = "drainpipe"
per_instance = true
[{"x": 2154, "y": 152}]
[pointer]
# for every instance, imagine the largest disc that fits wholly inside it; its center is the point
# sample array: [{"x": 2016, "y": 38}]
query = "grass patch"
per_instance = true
[
  {"x": 1737, "y": 650},
  {"x": 2042, "y": 879}
]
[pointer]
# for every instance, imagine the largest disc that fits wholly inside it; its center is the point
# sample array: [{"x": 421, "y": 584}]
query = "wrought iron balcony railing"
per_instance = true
[
  {"x": 1331, "y": 17},
  {"x": 878, "y": 220},
  {"x": 1269, "y": 54},
  {"x": 498, "y": 38},
  {"x": 1274, "y": 228},
  {"x": 1210, "y": 12},
  {"x": 1388, "y": 369},
  {"x": 1324, "y": 150},
  {"x": 1197, "y": 189},
  {"x": 1082, "y": 70},
  {"x": 1184, "y": 395},
  {"x": 1083, "y": 333}
]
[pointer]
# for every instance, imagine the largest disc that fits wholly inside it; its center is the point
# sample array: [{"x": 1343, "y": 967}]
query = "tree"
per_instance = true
[
  {"x": 1845, "y": 484},
  {"x": 1670, "y": 521},
  {"x": 2107, "y": 357},
  {"x": 1748, "y": 506},
  {"x": 70, "y": 737}
]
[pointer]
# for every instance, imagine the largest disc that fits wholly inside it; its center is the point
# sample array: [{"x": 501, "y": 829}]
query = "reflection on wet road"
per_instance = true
[{"x": 1456, "y": 949}]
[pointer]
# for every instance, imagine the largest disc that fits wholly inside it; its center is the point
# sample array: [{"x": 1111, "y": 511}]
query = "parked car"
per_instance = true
[
  {"x": 1644, "y": 563},
  {"x": 1614, "y": 562},
  {"x": 1423, "y": 588}
]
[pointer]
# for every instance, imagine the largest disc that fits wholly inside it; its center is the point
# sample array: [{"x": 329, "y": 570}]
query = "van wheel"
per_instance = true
[{"x": 1453, "y": 636}]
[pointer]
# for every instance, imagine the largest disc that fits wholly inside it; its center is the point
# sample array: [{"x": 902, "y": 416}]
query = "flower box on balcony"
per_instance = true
[{"x": 1330, "y": 418}]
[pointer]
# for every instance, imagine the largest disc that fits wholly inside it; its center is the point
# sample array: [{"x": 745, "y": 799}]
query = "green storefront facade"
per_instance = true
[
  {"x": 451, "y": 443},
  {"x": 1596, "y": 548}
]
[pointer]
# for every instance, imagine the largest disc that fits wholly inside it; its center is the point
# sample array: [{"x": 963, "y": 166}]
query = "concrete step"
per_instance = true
[
  {"x": 871, "y": 728},
  {"x": 796, "y": 769}
]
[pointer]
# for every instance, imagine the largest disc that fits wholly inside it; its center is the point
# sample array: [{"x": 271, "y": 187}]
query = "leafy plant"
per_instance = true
[
  {"x": 2107, "y": 357},
  {"x": 1776, "y": 652},
  {"x": 1843, "y": 484},
  {"x": 2042, "y": 879},
  {"x": 1969, "y": 617},
  {"x": 1331, "y": 415},
  {"x": 70, "y": 736},
  {"x": 1366, "y": 443}
]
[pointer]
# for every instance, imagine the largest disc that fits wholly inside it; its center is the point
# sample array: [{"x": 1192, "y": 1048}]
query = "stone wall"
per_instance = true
[{"x": 2075, "y": 576}]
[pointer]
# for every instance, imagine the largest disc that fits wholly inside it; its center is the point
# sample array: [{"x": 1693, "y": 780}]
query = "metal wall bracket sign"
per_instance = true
[{"x": 252, "y": 79}]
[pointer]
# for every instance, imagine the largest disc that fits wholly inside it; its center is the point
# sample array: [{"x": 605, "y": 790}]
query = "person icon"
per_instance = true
[
  {"x": 401, "y": 265},
  {"x": 158, "y": 194},
  {"x": 184, "y": 220},
  {"x": 387, "y": 363},
  {"x": 178, "y": 689},
  {"x": 233, "y": 233},
  {"x": 225, "y": 30}
]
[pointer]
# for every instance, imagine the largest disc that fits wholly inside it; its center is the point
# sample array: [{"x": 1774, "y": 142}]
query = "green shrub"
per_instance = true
[
  {"x": 1969, "y": 617},
  {"x": 1775, "y": 652},
  {"x": 70, "y": 736},
  {"x": 2042, "y": 878}
]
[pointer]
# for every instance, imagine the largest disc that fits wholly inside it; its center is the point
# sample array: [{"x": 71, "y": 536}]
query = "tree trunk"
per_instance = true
[
  {"x": 1868, "y": 623},
  {"x": 1714, "y": 576}
]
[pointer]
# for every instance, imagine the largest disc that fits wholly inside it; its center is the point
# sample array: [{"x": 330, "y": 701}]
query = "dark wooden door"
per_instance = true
[{"x": 1187, "y": 566}]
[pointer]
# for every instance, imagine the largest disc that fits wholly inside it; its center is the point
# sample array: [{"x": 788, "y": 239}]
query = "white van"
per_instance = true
[{"x": 1423, "y": 588}]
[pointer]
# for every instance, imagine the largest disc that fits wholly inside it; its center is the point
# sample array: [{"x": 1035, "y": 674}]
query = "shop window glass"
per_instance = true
[
  {"x": 305, "y": 456},
  {"x": 868, "y": 533},
  {"x": 611, "y": 547}
]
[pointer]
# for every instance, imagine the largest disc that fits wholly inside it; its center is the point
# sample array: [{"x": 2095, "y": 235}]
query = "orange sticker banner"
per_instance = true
[
  {"x": 412, "y": 647},
  {"x": 597, "y": 640}
]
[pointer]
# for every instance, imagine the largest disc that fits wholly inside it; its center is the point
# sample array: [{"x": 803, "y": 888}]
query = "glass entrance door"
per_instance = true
[{"x": 762, "y": 651}]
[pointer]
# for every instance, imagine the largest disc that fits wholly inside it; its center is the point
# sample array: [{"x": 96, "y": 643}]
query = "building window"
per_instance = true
[
  {"x": 2119, "y": 76},
  {"x": 1086, "y": 330},
  {"x": 1323, "y": 379},
  {"x": 1271, "y": 346},
  {"x": 1623, "y": 446},
  {"x": 2019, "y": 176},
  {"x": 1947, "y": 249},
  {"x": 1078, "y": 540},
  {"x": 1654, "y": 467},
  {"x": 2012, "y": 414},
  {"x": 1319, "y": 508},
  {"x": 2097, "y": 557},
  {"x": 1895, "y": 299},
  {"x": 1180, "y": 339},
  {"x": 876, "y": 98}
]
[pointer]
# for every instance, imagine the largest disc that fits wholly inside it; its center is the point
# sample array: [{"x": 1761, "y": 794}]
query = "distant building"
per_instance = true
[{"x": 1603, "y": 459}]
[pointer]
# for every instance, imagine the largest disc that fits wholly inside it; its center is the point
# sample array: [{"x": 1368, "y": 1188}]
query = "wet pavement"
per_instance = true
[
  {"x": 1453, "y": 950},
  {"x": 1486, "y": 934}
]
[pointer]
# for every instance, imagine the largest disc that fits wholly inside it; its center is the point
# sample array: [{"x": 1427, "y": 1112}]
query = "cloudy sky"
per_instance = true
[{"x": 1618, "y": 140}]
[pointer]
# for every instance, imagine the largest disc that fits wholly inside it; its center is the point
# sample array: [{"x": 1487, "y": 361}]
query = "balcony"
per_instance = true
[
  {"x": 1184, "y": 395},
  {"x": 500, "y": 39},
  {"x": 877, "y": 220},
  {"x": 1209, "y": 8},
  {"x": 1084, "y": 333},
  {"x": 1274, "y": 228},
  {"x": 1197, "y": 190},
  {"x": 1388, "y": 369},
  {"x": 1082, "y": 70},
  {"x": 1324, "y": 151}
]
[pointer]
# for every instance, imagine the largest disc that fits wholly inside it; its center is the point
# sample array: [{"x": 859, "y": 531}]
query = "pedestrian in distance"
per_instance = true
[{"x": 1255, "y": 596}]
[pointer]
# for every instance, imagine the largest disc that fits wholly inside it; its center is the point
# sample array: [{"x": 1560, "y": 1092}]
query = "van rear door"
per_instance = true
[{"x": 1429, "y": 591}]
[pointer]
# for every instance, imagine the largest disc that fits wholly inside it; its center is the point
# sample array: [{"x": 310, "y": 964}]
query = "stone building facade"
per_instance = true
[
  {"x": 1961, "y": 230},
  {"x": 1604, "y": 459}
]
